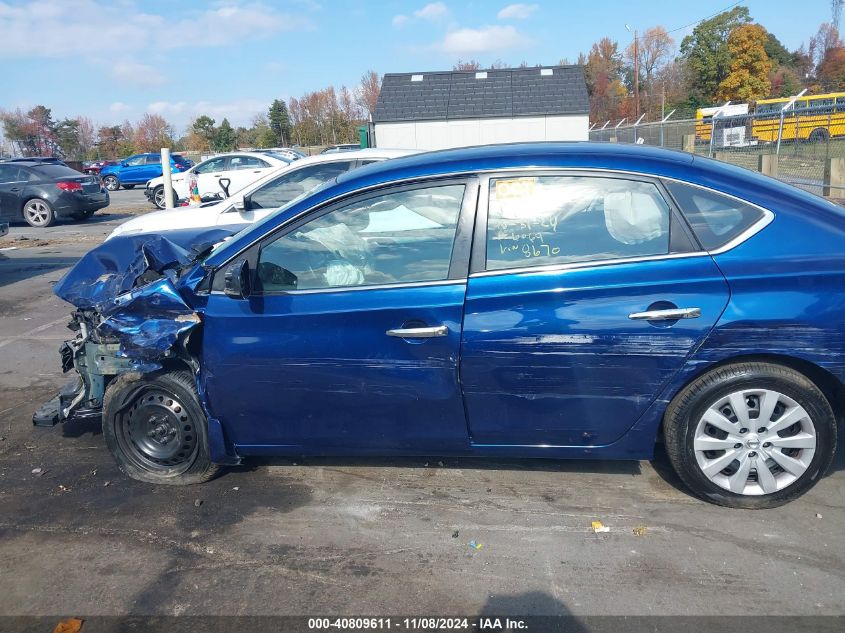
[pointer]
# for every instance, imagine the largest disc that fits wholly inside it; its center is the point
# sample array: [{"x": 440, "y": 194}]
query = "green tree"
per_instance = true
[
  {"x": 748, "y": 79},
  {"x": 202, "y": 133},
  {"x": 706, "y": 55},
  {"x": 67, "y": 137},
  {"x": 225, "y": 139},
  {"x": 279, "y": 121},
  {"x": 777, "y": 52}
]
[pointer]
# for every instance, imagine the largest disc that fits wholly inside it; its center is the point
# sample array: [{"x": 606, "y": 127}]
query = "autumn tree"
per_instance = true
[
  {"x": 831, "y": 71},
  {"x": 748, "y": 79},
  {"x": 654, "y": 50},
  {"x": 152, "y": 133},
  {"x": 705, "y": 52},
  {"x": 368, "y": 91},
  {"x": 604, "y": 80}
]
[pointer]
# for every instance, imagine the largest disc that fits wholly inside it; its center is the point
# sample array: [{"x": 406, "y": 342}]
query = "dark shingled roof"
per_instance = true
[{"x": 504, "y": 93}]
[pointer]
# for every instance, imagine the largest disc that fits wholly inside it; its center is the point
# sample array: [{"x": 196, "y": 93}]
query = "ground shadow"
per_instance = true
[
  {"x": 537, "y": 610},
  {"x": 14, "y": 269}
]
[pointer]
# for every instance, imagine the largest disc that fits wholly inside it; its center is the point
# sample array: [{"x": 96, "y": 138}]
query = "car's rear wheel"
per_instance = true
[
  {"x": 750, "y": 435},
  {"x": 155, "y": 428},
  {"x": 111, "y": 183},
  {"x": 38, "y": 213}
]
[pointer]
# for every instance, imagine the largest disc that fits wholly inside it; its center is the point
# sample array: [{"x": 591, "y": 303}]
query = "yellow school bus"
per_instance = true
[{"x": 814, "y": 118}]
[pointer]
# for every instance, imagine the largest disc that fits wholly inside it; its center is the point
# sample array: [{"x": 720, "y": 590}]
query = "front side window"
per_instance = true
[
  {"x": 215, "y": 164},
  {"x": 540, "y": 220},
  {"x": 398, "y": 237},
  {"x": 715, "y": 219},
  {"x": 281, "y": 190}
]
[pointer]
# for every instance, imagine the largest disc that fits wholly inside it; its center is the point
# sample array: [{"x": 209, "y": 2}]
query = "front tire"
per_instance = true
[
  {"x": 750, "y": 435},
  {"x": 155, "y": 428},
  {"x": 111, "y": 183},
  {"x": 158, "y": 197},
  {"x": 38, "y": 213}
]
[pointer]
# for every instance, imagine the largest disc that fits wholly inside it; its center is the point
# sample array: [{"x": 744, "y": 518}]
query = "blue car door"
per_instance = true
[
  {"x": 132, "y": 170},
  {"x": 350, "y": 338},
  {"x": 587, "y": 294},
  {"x": 151, "y": 168}
]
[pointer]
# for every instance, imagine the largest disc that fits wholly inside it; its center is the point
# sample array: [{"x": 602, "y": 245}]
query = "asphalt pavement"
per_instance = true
[{"x": 364, "y": 536}]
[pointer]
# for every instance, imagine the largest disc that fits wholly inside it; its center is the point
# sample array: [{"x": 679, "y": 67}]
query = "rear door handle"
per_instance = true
[
  {"x": 672, "y": 314},
  {"x": 419, "y": 332}
]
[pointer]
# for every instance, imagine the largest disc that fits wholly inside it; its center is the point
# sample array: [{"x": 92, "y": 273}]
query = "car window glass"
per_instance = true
[
  {"x": 154, "y": 159},
  {"x": 715, "y": 219},
  {"x": 215, "y": 164},
  {"x": 293, "y": 184},
  {"x": 369, "y": 161},
  {"x": 135, "y": 161},
  {"x": 398, "y": 237},
  {"x": 538, "y": 220},
  {"x": 246, "y": 162},
  {"x": 8, "y": 173},
  {"x": 48, "y": 171}
]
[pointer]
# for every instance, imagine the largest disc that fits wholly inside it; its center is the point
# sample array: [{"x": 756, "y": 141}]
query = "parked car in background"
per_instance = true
[
  {"x": 41, "y": 193},
  {"x": 138, "y": 169},
  {"x": 262, "y": 197},
  {"x": 238, "y": 168},
  {"x": 345, "y": 147},
  {"x": 535, "y": 300},
  {"x": 287, "y": 152},
  {"x": 94, "y": 167}
]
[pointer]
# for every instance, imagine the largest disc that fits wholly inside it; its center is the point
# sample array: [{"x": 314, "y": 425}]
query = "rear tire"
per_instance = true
[
  {"x": 38, "y": 213},
  {"x": 819, "y": 135},
  {"x": 156, "y": 429},
  {"x": 726, "y": 439}
]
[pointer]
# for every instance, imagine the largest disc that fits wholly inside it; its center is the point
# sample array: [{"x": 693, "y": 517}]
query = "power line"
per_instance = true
[{"x": 686, "y": 26}]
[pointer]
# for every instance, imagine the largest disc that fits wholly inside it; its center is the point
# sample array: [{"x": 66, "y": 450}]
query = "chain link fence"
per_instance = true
[{"x": 802, "y": 146}]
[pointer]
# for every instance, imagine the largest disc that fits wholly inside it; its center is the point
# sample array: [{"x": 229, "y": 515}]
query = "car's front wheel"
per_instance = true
[
  {"x": 111, "y": 183},
  {"x": 750, "y": 435},
  {"x": 158, "y": 197},
  {"x": 155, "y": 428},
  {"x": 38, "y": 213}
]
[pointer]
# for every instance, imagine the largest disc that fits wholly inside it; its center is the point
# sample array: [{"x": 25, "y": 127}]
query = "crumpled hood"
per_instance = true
[
  {"x": 132, "y": 282},
  {"x": 113, "y": 268}
]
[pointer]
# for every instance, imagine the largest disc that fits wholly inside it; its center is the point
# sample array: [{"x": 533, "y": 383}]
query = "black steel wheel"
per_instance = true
[{"x": 155, "y": 428}]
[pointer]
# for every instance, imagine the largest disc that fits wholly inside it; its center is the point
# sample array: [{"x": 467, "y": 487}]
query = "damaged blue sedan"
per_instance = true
[{"x": 536, "y": 300}]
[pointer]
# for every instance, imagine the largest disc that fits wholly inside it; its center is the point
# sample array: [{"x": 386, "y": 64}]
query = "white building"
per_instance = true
[{"x": 456, "y": 109}]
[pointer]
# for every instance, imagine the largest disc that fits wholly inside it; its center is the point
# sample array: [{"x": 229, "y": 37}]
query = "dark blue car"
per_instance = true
[
  {"x": 138, "y": 169},
  {"x": 538, "y": 300}
]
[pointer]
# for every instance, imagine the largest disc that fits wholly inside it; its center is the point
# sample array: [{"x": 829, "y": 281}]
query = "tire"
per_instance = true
[
  {"x": 158, "y": 197},
  {"x": 729, "y": 397},
  {"x": 819, "y": 135},
  {"x": 38, "y": 213},
  {"x": 128, "y": 186},
  {"x": 155, "y": 428},
  {"x": 111, "y": 183}
]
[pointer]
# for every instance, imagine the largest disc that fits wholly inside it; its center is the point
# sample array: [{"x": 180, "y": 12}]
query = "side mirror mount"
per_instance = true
[
  {"x": 224, "y": 185},
  {"x": 236, "y": 282}
]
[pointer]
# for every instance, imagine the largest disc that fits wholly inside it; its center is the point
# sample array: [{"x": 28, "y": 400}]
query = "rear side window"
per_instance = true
[
  {"x": 540, "y": 220},
  {"x": 49, "y": 172},
  {"x": 715, "y": 219}
]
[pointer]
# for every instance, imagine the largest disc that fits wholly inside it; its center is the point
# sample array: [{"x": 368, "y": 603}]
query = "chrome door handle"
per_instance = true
[
  {"x": 419, "y": 332},
  {"x": 672, "y": 314}
]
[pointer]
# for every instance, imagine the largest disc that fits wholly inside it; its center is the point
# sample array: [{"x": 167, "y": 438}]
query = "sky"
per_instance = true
[{"x": 116, "y": 59}]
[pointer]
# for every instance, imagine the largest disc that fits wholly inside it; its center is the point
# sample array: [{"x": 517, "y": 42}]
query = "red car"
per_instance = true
[{"x": 93, "y": 168}]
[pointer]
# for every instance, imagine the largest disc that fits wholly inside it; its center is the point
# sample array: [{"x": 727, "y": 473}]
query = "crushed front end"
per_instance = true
[{"x": 132, "y": 315}]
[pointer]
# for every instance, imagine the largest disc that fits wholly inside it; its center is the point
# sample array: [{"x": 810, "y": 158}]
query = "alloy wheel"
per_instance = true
[
  {"x": 158, "y": 197},
  {"x": 111, "y": 183},
  {"x": 754, "y": 442},
  {"x": 37, "y": 213}
]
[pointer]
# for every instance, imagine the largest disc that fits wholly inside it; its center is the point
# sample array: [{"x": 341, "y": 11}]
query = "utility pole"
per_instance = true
[{"x": 636, "y": 69}]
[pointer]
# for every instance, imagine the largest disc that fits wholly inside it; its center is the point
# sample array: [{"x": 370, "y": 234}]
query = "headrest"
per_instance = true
[{"x": 633, "y": 217}]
